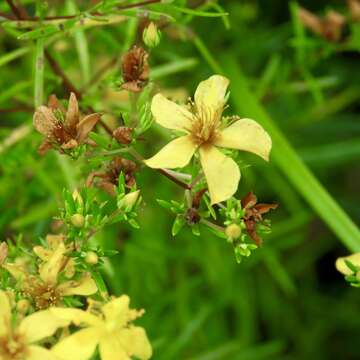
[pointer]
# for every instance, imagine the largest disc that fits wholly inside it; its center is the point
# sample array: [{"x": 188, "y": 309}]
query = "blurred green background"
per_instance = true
[{"x": 286, "y": 301}]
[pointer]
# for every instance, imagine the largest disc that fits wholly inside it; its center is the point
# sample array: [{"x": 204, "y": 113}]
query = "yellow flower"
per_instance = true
[
  {"x": 110, "y": 329},
  {"x": 343, "y": 268},
  {"x": 205, "y": 131},
  {"x": 45, "y": 289},
  {"x": 19, "y": 342},
  {"x": 53, "y": 243}
]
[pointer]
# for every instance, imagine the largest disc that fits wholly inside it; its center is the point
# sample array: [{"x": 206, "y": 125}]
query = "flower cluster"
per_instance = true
[{"x": 52, "y": 281}]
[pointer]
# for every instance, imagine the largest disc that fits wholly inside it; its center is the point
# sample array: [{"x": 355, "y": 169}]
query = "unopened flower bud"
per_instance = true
[
  {"x": 91, "y": 258},
  {"x": 77, "y": 220},
  {"x": 233, "y": 231},
  {"x": 342, "y": 266},
  {"x": 129, "y": 200},
  {"x": 123, "y": 135},
  {"x": 23, "y": 306},
  {"x": 151, "y": 35}
]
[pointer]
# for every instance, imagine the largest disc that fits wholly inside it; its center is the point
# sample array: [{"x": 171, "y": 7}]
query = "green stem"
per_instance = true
[{"x": 39, "y": 73}]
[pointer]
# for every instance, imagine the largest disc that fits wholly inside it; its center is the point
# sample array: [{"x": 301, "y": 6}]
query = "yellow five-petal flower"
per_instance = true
[
  {"x": 19, "y": 342},
  {"x": 111, "y": 330},
  {"x": 205, "y": 132}
]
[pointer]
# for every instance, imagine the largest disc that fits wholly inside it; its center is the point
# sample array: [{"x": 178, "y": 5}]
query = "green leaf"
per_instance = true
[{"x": 177, "y": 225}]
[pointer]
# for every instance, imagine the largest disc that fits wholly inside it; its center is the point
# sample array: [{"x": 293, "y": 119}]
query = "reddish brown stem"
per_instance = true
[
  {"x": 99, "y": 74},
  {"x": 17, "y": 109},
  {"x": 21, "y": 14},
  {"x": 58, "y": 71},
  {"x": 174, "y": 179}
]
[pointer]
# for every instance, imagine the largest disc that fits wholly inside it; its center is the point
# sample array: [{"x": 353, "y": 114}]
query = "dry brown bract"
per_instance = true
[
  {"x": 110, "y": 177},
  {"x": 135, "y": 69},
  {"x": 329, "y": 27},
  {"x": 63, "y": 129},
  {"x": 123, "y": 135},
  {"x": 253, "y": 214}
]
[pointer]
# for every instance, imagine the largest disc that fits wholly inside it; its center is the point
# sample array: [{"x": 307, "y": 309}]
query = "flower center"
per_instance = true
[
  {"x": 205, "y": 126},
  {"x": 44, "y": 295},
  {"x": 13, "y": 347}
]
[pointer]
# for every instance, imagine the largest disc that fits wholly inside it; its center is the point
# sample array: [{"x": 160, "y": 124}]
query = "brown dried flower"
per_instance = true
[
  {"x": 135, "y": 69},
  {"x": 253, "y": 214},
  {"x": 110, "y": 177},
  {"x": 123, "y": 135},
  {"x": 63, "y": 129},
  {"x": 329, "y": 27}
]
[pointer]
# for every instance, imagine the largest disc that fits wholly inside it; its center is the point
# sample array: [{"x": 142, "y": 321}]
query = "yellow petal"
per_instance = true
[
  {"x": 247, "y": 135},
  {"x": 210, "y": 94},
  {"x": 111, "y": 349},
  {"x": 175, "y": 154},
  {"x": 17, "y": 271},
  {"x": 341, "y": 265},
  {"x": 135, "y": 342},
  {"x": 85, "y": 286},
  {"x": 37, "y": 353},
  {"x": 221, "y": 172},
  {"x": 117, "y": 310},
  {"x": 50, "y": 270},
  {"x": 75, "y": 316},
  {"x": 40, "y": 325},
  {"x": 169, "y": 114},
  {"x": 80, "y": 345},
  {"x": 42, "y": 253},
  {"x": 5, "y": 312}
]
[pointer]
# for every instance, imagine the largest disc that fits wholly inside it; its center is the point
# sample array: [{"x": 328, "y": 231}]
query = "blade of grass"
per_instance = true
[
  {"x": 81, "y": 45},
  {"x": 39, "y": 66},
  {"x": 39, "y": 73},
  {"x": 173, "y": 67}
]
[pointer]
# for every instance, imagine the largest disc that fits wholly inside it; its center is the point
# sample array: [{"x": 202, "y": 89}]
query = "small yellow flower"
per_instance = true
[
  {"x": 110, "y": 328},
  {"x": 18, "y": 342},
  {"x": 46, "y": 289},
  {"x": 343, "y": 268},
  {"x": 53, "y": 243},
  {"x": 205, "y": 132}
]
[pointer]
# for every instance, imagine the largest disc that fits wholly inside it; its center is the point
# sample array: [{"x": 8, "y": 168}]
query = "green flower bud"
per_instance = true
[
  {"x": 77, "y": 220},
  {"x": 151, "y": 35},
  {"x": 129, "y": 200}
]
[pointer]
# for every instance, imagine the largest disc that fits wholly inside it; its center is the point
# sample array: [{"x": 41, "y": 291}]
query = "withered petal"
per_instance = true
[
  {"x": 44, "y": 147},
  {"x": 264, "y": 208},
  {"x": 71, "y": 144},
  {"x": 44, "y": 120},
  {"x": 249, "y": 200},
  {"x": 251, "y": 230},
  {"x": 72, "y": 115},
  {"x": 133, "y": 86},
  {"x": 86, "y": 125}
]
